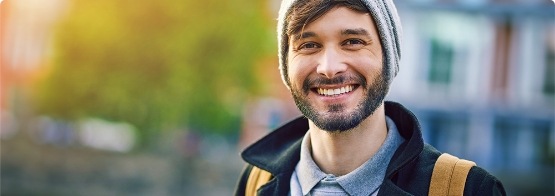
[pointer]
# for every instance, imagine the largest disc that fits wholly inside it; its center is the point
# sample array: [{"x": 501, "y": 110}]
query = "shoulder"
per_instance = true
[
  {"x": 481, "y": 182},
  {"x": 478, "y": 181},
  {"x": 416, "y": 177}
]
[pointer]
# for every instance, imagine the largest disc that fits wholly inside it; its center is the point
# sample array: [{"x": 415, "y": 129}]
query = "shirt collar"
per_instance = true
[
  {"x": 373, "y": 170},
  {"x": 308, "y": 172}
]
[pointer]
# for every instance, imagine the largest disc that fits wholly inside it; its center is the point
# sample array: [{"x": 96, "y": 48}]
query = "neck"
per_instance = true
[{"x": 340, "y": 153}]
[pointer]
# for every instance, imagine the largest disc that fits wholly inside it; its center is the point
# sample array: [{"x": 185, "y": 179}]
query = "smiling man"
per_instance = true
[{"x": 338, "y": 58}]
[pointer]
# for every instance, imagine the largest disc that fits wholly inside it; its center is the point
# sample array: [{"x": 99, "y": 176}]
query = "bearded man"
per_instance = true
[{"x": 338, "y": 59}]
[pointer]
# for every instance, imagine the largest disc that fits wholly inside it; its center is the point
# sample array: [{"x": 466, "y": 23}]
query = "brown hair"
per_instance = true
[{"x": 307, "y": 11}]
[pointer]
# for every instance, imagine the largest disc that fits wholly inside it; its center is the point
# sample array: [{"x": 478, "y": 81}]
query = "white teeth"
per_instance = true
[{"x": 337, "y": 91}]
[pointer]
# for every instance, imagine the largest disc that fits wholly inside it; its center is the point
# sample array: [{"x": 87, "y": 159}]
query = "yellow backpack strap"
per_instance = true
[
  {"x": 449, "y": 175},
  {"x": 257, "y": 178}
]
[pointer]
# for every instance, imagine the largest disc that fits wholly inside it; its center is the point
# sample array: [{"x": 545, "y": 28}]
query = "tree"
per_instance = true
[{"x": 156, "y": 64}]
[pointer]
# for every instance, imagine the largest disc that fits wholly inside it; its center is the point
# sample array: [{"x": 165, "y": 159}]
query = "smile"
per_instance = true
[{"x": 335, "y": 91}]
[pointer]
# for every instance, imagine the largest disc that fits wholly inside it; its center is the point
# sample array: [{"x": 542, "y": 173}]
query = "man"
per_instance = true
[{"x": 338, "y": 59}]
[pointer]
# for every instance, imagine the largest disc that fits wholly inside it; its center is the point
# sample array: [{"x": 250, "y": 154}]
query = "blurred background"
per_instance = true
[{"x": 159, "y": 97}]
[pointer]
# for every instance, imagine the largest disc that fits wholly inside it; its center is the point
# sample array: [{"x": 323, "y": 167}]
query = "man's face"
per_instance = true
[{"x": 335, "y": 69}]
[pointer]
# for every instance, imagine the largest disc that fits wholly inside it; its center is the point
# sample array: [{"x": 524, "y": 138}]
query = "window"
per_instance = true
[
  {"x": 448, "y": 132},
  {"x": 522, "y": 143},
  {"x": 506, "y": 135},
  {"x": 441, "y": 62},
  {"x": 549, "y": 73}
]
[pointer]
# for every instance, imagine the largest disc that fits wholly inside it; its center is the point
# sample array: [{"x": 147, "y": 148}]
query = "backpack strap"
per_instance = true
[
  {"x": 257, "y": 178},
  {"x": 449, "y": 175}
]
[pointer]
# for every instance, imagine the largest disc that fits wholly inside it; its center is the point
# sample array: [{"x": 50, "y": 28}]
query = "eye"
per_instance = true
[
  {"x": 307, "y": 48},
  {"x": 354, "y": 42},
  {"x": 308, "y": 45}
]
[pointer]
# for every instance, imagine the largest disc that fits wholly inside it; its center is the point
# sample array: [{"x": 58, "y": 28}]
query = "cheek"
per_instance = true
[
  {"x": 298, "y": 69},
  {"x": 367, "y": 65},
  {"x": 376, "y": 53},
  {"x": 372, "y": 57}
]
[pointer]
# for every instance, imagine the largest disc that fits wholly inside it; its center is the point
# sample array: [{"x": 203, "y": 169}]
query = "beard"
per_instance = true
[{"x": 335, "y": 118}]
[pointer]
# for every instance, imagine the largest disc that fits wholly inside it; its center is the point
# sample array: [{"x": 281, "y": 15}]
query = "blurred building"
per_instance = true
[{"x": 480, "y": 76}]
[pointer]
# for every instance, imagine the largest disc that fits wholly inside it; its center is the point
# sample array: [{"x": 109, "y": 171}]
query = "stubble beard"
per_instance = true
[{"x": 335, "y": 118}]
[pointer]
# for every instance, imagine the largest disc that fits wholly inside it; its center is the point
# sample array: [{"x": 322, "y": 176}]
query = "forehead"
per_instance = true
[{"x": 339, "y": 20}]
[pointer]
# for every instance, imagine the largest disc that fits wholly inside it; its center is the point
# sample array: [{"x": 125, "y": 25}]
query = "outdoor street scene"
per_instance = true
[{"x": 160, "y": 97}]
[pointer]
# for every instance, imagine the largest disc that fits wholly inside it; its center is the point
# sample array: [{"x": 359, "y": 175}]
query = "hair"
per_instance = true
[{"x": 307, "y": 11}]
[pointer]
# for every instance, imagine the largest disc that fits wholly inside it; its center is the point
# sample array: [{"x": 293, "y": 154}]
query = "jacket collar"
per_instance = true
[
  {"x": 279, "y": 151},
  {"x": 409, "y": 128}
]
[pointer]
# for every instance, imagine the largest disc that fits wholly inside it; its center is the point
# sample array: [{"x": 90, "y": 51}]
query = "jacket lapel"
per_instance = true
[
  {"x": 279, "y": 151},
  {"x": 409, "y": 129}
]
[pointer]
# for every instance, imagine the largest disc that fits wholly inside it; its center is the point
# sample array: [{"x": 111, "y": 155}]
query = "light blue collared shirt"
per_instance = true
[{"x": 308, "y": 179}]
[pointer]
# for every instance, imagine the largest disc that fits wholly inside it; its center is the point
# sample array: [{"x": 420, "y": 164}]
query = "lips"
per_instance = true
[{"x": 333, "y": 87}]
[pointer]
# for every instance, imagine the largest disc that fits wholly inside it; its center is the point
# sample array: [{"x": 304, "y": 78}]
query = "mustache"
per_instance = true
[{"x": 338, "y": 80}]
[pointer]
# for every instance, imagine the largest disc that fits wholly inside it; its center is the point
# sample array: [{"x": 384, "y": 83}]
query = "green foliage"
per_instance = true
[{"x": 156, "y": 64}]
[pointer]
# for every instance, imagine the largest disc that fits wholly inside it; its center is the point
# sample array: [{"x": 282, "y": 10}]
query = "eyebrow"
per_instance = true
[
  {"x": 359, "y": 31},
  {"x": 309, "y": 34},
  {"x": 303, "y": 35}
]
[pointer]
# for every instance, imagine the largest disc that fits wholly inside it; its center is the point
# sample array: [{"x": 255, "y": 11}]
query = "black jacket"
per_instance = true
[{"x": 408, "y": 173}]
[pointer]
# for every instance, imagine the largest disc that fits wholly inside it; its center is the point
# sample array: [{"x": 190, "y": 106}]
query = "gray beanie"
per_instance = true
[{"x": 386, "y": 19}]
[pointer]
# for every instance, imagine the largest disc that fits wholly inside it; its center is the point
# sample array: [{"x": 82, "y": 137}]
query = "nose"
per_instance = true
[{"x": 330, "y": 63}]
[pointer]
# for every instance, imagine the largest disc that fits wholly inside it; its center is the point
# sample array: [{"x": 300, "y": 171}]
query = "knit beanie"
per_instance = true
[{"x": 387, "y": 22}]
